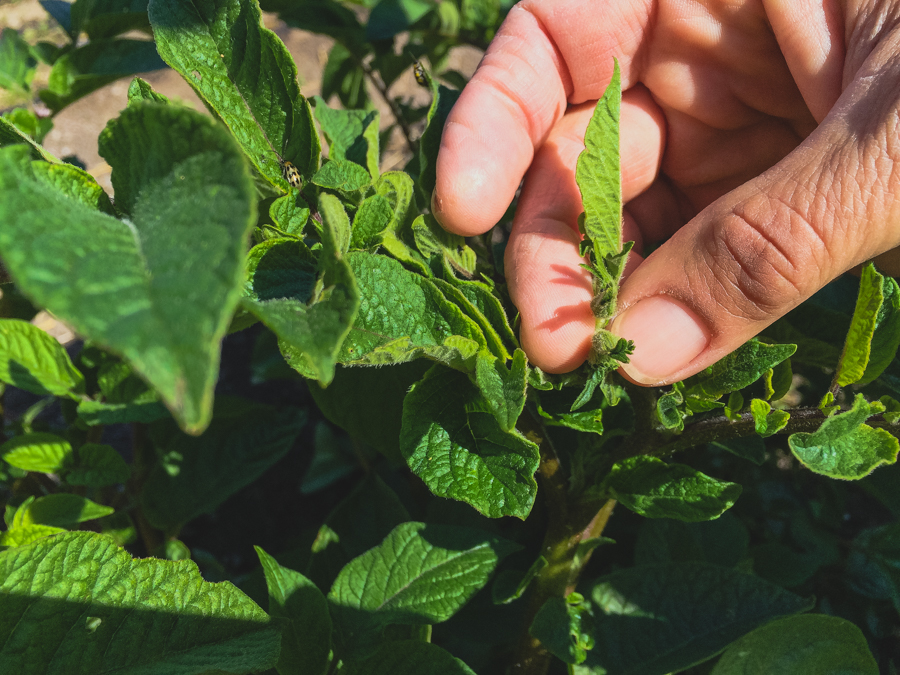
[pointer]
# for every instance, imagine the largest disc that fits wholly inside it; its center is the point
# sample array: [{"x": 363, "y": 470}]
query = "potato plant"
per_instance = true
[{"x": 462, "y": 511}]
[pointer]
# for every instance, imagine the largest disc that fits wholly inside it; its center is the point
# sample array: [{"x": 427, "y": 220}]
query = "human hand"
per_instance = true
[{"x": 762, "y": 136}]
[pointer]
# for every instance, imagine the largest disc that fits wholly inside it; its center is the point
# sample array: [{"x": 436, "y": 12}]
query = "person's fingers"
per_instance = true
[
  {"x": 545, "y": 56},
  {"x": 762, "y": 249},
  {"x": 548, "y": 286}
]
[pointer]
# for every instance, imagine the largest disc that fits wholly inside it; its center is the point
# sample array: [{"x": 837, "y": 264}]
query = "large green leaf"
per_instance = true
[
  {"x": 196, "y": 474},
  {"x": 452, "y": 441},
  {"x": 32, "y": 360},
  {"x": 654, "y": 489},
  {"x": 844, "y": 446},
  {"x": 597, "y": 173},
  {"x": 77, "y": 604},
  {"x": 245, "y": 74},
  {"x": 136, "y": 286},
  {"x": 306, "y": 640},
  {"x": 809, "y": 644},
  {"x": 94, "y": 65},
  {"x": 739, "y": 369},
  {"x": 658, "y": 619},
  {"x": 409, "y": 657},
  {"x": 420, "y": 574},
  {"x": 403, "y": 316}
]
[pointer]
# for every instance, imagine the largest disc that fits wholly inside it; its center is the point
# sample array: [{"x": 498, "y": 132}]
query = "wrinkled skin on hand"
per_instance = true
[{"x": 760, "y": 137}]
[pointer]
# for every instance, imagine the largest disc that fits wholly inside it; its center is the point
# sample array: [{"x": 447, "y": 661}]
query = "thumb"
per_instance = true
[{"x": 764, "y": 248}]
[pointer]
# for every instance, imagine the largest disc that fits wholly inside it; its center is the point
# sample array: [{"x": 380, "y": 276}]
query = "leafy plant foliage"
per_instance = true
[{"x": 380, "y": 344}]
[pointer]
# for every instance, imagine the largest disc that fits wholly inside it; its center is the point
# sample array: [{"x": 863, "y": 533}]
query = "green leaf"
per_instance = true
[
  {"x": 140, "y": 90},
  {"x": 360, "y": 522},
  {"x": 397, "y": 237},
  {"x": 886, "y": 337},
  {"x": 290, "y": 213},
  {"x": 488, "y": 306},
  {"x": 368, "y": 403},
  {"x": 352, "y": 135},
  {"x": 281, "y": 268},
  {"x": 245, "y": 74},
  {"x": 306, "y": 641},
  {"x": 29, "y": 123},
  {"x": 62, "y": 510},
  {"x": 650, "y": 487},
  {"x": 22, "y": 535},
  {"x": 17, "y": 65},
  {"x": 666, "y": 618},
  {"x": 766, "y": 420},
  {"x": 870, "y": 312},
  {"x": 420, "y": 574},
  {"x": 133, "y": 286},
  {"x": 41, "y": 452},
  {"x": 844, "y": 446},
  {"x": 563, "y": 625},
  {"x": 408, "y": 657},
  {"x": 11, "y": 135},
  {"x": 432, "y": 239},
  {"x": 597, "y": 173},
  {"x": 511, "y": 584},
  {"x": 739, "y": 369},
  {"x": 813, "y": 643},
  {"x": 196, "y": 474},
  {"x": 344, "y": 176},
  {"x": 454, "y": 294},
  {"x": 311, "y": 335},
  {"x": 87, "y": 68},
  {"x": 143, "y": 412},
  {"x": 502, "y": 388},
  {"x": 372, "y": 217},
  {"x": 452, "y": 441},
  {"x": 335, "y": 224},
  {"x": 98, "y": 466},
  {"x": 430, "y": 142},
  {"x": 98, "y": 611},
  {"x": 403, "y": 316},
  {"x": 556, "y": 408},
  {"x": 779, "y": 380},
  {"x": 32, "y": 360}
]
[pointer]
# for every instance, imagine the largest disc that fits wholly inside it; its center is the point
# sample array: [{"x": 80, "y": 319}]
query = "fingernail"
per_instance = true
[{"x": 666, "y": 334}]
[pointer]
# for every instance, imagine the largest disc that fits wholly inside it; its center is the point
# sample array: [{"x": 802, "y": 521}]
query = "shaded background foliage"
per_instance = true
[{"x": 693, "y": 558}]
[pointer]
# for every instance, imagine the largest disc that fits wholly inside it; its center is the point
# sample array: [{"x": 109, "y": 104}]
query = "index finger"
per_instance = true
[{"x": 547, "y": 54}]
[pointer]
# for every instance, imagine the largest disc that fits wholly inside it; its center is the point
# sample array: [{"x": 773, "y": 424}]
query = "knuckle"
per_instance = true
[{"x": 766, "y": 258}]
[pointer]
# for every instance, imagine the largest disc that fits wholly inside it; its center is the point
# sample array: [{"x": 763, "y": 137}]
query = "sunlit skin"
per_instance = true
[{"x": 761, "y": 137}]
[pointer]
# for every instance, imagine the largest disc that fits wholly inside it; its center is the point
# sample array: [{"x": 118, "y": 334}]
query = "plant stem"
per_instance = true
[
  {"x": 567, "y": 528},
  {"x": 151, "y": 537}
]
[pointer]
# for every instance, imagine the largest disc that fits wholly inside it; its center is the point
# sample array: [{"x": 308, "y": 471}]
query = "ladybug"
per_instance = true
[{"x": 291, "y": 175}]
